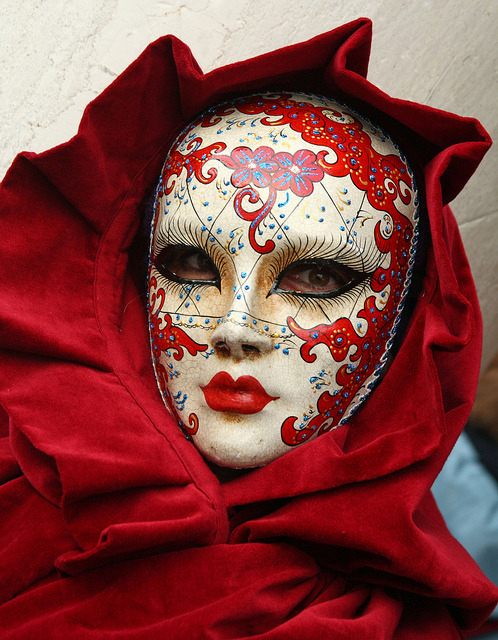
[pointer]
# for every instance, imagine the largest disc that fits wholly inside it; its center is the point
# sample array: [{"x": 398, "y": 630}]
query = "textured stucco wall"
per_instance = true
[{"x": 57, "y": 55}]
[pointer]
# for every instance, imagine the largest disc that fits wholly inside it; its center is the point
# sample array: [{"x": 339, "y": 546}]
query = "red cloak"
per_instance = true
[{"x": 112, "y": 524}]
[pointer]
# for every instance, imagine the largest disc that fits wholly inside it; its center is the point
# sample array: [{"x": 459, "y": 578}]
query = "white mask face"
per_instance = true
[{"x": 283, "y": 241}]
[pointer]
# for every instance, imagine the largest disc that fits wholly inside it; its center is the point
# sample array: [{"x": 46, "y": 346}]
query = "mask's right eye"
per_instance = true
[{"x": 187, "y": 265}]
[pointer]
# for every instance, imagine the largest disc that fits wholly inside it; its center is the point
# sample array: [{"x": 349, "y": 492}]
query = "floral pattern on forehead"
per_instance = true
[
  {"x": 383, "y": 178},
  {"x": 339, "y": 143}
]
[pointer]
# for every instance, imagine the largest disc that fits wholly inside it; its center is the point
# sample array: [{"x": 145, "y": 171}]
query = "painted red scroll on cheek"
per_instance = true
[
  {"x": 342, "y": 339},
  {"x": 164, "y": 335}
]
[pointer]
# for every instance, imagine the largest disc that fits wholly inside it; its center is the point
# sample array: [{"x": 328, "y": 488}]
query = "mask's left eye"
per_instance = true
[
  {"x": 317, "y": 278},
  {"x": 185, "y": 264}
]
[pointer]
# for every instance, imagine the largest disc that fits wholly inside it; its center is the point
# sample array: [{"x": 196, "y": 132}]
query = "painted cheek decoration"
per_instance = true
[{"x": 241, "y": 181}]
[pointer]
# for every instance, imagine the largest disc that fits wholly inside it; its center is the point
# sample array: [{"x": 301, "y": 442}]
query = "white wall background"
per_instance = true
[{"x": 57, "y": 55}]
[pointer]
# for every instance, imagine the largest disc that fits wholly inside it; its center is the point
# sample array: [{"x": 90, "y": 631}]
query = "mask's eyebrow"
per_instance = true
[{"x": 360, "y": 253}]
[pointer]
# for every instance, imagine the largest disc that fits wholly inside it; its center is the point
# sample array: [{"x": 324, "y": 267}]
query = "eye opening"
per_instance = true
[
  {"x": 187, "y": 264},
  {"x": 340, "y": 278}
]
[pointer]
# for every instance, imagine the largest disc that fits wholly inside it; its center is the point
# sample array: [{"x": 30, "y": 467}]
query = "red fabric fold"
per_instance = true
[{"x": 113, "y": 525}]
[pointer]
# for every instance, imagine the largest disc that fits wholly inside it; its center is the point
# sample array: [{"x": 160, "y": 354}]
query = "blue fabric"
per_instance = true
[{"x": 467, "y": 496}]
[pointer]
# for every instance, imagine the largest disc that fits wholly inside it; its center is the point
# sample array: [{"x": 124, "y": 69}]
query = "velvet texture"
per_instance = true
[{"x": 112, "y": 524}]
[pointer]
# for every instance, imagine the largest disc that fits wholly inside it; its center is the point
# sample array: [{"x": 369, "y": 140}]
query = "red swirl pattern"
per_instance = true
[
  {"x": 356, "y": 156},
  {"x": 193, "y": 424},
  {"x": 255, "y": 217},
  {"x": 171, "y": 338},
  {"x": 278, "y": 171},
  {"x": 164, "y": 335},
  {"x": 342, "y": 339},
  {"x": 193, "y": 162},
  {"x": 383, "y": 178}
]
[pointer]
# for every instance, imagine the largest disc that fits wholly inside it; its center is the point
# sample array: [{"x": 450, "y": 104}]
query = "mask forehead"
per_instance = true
[{"x": 260, "y": 185}]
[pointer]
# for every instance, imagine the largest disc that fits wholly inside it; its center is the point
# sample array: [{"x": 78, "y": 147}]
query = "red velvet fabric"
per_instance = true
[{"x": 112, "y": 524}]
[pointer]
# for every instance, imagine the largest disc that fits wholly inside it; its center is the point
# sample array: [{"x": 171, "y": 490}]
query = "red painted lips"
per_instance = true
[{"x": 245, "y": 395}]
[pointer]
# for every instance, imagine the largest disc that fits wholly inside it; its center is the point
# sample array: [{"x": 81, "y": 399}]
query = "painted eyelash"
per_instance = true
[
  {"x": 291, "y": 253},
  {"x": 179, "y": 234},
  {"x": 312, "y": 303},
  {"x": 176, "y": 288},
  {"x": 185, "y": 294},
  {"x": 321, "y": 249},
  {"x": 284, "y": 260},
  {"x": 189, "y": 235}
]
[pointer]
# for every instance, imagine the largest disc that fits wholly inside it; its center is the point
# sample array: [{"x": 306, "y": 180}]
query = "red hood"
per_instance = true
[{"x": 107, "y": 474}]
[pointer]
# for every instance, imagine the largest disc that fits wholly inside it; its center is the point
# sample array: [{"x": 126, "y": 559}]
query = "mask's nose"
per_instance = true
[{"x": 239, "y": 341}]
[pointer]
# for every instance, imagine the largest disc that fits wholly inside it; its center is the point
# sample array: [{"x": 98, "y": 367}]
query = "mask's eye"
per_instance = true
[
  {"x": 320, "y": 278},
  {"x": 187, "y": 265}
]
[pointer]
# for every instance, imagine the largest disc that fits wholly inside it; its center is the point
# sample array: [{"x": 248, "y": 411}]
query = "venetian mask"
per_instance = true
[{"x": 283, "y": 243}]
